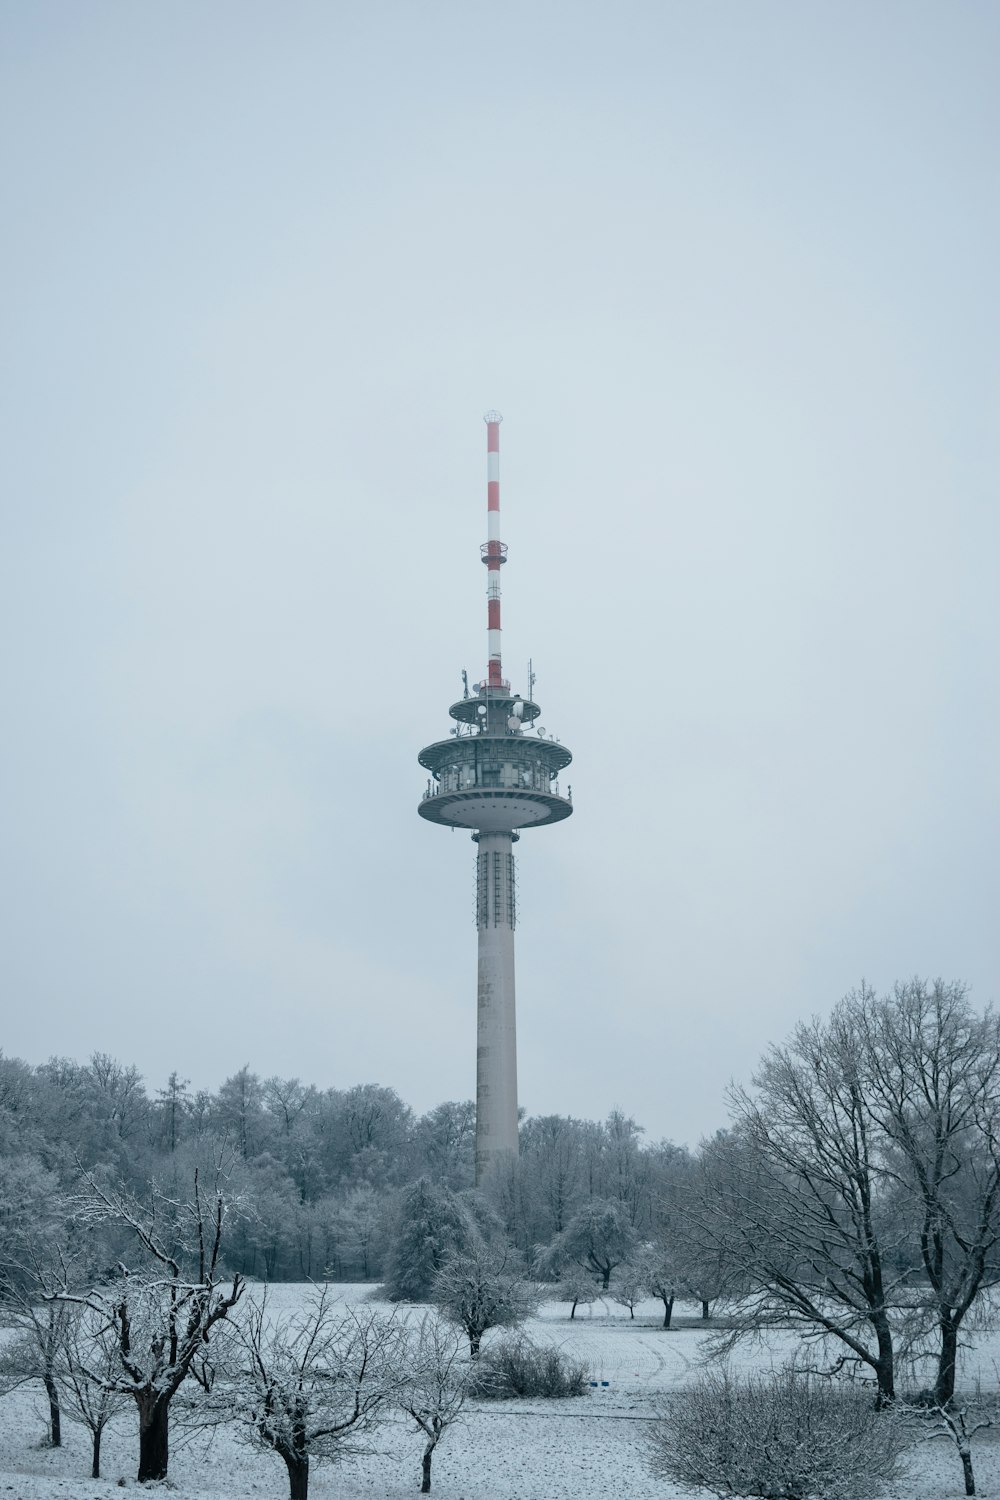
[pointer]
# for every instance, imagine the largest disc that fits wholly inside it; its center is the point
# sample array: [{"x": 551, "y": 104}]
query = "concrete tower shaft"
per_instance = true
[
  {"x": 496, "y": 1040},
  {"x": 493, "y": 776}
]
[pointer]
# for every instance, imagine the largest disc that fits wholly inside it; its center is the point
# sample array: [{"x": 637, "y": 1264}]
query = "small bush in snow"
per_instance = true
[
  {"x": 781, "y": 1436},
  {"x": 517, "y": 1367}
]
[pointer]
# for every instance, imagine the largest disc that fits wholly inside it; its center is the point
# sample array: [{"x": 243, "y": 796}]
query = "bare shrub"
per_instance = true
[
  {"x": 779, "y": 1436},
  {"x": 518, "y": 1367}
]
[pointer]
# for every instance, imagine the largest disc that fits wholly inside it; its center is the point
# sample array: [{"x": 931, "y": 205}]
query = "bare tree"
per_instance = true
[
  {"x": 795, "y": 1204},
  {"x": 316, "y": 1382},
  {"x": 955, "y": 1421},
  {"x": 631, "y": 1287},
  {"x": 35, "y": 1353},
  {"x": 162, "y": 1314},
  {"x": 484, "y": 1288},
  {"x": 932, "y": 1086},
  {"x": 88, "y": 1377},
  {"x": 435, "y": 1385},
  {"x": 33, "y": 1241},
  {"x": 784, "y": 1436},
  {"x": 576, "y": 1287}
]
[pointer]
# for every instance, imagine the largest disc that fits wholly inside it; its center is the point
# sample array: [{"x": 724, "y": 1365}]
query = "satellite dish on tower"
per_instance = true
[{"x": 513, "y": 722}]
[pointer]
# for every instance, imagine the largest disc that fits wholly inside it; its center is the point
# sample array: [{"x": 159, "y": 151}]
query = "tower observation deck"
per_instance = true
[{"x": 496, "y": 773}]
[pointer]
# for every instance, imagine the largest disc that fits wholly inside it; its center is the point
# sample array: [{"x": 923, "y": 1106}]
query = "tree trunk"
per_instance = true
[
  {"x": 668, "y": 1308},
  {"x": 966, "y": 1456},
  {"x": 475, "y": 1339},
  {"x": 154, "y": 1449},
  {"x": 606, "y": 1281},
  {"x": 425, "y": 1481},
  {"x": 298, "y": 1475},
  {"x": 631, "y": 1310},
  {"x": 572, "y": 1311},
  {"x": 884, "y": 1370},
  {"x": 55, "y": 1417},
  {"x": 704, "y": 1308},
  {"x": 95, "y": 1465},
  {"x": 944, "y": 1385}
]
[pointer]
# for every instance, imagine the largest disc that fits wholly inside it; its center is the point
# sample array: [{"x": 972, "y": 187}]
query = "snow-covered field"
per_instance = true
[{"x": 587, "y": 1449}]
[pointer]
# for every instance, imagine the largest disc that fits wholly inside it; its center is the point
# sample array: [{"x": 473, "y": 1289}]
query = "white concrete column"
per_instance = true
[{"x": 496, "y": 1053}]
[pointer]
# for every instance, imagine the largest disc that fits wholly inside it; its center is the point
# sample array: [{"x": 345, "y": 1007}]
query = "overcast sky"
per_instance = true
[{"x": 729, "y": 270}]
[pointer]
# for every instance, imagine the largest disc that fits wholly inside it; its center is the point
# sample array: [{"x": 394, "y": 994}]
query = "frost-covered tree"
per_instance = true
[
  {"x": 239, "y": 1111},
  {"x": 779, "y": 1436},
  {"x": 795, "y": 1203},
  {"x": 959, "y": 1422},
  {"x": 313, "y": 1385},
  {"x": 630, "y": 1287},
  {"x": 361, "y": 1224},
  {"x": 34, "y": 1246},
  {"x": 36, "y": 1353},
  {"x": 88, "y": 1375},
  {"x": 163, "y": 1311},
  {"x": 444, "y": 1143},
  {"x": 931, "y": 1082},
  {"x": 434, "y": 1384},
  {"x": 433, "y": 1224},
  {"x": 658, "y": 1271},
  {"x": 485, "y": 1287},
  {"x": 577, "y": 1287},
  {"x": 599, "y": 1237},
  {"x": 174, "y": 1104}
]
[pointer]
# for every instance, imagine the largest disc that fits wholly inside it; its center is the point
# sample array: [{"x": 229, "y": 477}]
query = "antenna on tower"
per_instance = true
[
  {"x": 465, "y": 683},
  {"x": 531, "y": 682}
]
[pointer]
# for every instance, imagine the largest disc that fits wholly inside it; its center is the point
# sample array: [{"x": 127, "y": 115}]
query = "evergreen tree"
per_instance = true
[{"x": 433, "y": 1224}]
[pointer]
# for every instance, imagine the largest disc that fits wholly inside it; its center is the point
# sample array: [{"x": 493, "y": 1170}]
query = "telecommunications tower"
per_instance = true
[{"x": 495, "y": 773}]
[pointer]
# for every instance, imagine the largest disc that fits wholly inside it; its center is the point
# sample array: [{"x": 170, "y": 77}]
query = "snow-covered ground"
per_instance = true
[{"x": 588, "y": 1449}]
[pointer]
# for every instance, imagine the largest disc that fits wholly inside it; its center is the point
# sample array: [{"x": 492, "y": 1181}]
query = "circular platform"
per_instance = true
[{"x": 494, "y": 811}]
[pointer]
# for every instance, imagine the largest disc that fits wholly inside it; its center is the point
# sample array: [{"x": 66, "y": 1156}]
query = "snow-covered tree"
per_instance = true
[
  {"x": 657, "y": 1268},
  {"x": 88, "y": 1371},
  {"x": 444, "y": 1141},
  {"x": 36, "y": 1353},
  {"x": 361, "y": 1224},
  {"x": 434, "y": 1384},
  {"x": 162, "y": 1312},
  {"x": 313, "y": 1385},
  {"x": 575, "y": 1287},
  {"x": 173, "y": 1103},
  {"x": 931, "y": 1083},
  {"x": 599, "y": 1237},
  {"x": 794, "y": 1202},
  {"x": 433, "y": 1224},
  {"x": 35, "y": 1245},
  {"x": 630, "y": 1287},
  {"x": 959, "y": 1421},
  {"x": 483, "y": 1288}
]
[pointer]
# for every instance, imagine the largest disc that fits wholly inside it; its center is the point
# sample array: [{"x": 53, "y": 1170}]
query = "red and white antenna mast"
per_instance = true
[{"x": 494, "y": 553}]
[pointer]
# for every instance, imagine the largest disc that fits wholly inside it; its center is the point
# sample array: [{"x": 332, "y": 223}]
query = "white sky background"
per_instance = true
[{"x": 730, "y": 272}]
